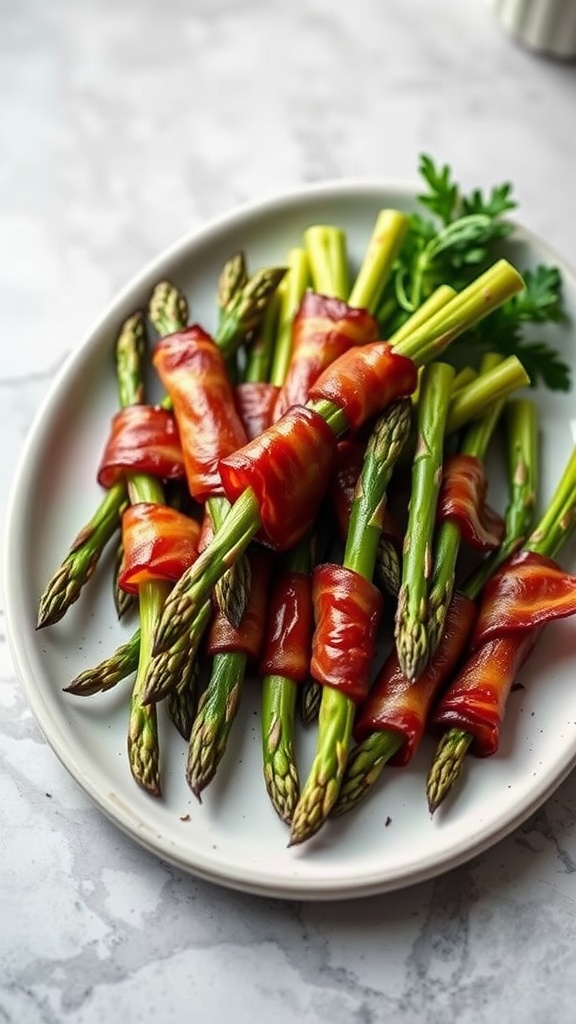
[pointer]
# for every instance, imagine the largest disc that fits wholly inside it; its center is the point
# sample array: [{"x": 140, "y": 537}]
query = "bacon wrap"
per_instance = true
[
  {"x": 193, "y": 371},
  {"x": 349, "y": 459},
  {"x": 476, "y": 699},
  {"x": 142, "y": 439},
  {"x": 223, "y": 638},
  {"x": 288, "y": 468},
  {"x": 255, "y": 402},
  {"x": 347, "y": 610},
  {"x": 365, "y": 380},
  {"x": 323, "y": 329},
  {"x": 159, "y": 544},
  {"x": 289, "y": 626},
  {"x": 528, "y": 591},
  {"x": 517, "y": 602},
  {"x": 402, "y": 705},
  {"x": 462, "y": 500}
]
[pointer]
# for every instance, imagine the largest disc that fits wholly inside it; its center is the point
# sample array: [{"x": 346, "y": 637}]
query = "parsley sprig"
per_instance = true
[{"x": 455, "y": 243}]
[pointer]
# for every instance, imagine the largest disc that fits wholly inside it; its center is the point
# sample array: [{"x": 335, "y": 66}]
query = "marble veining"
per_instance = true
[{"x": 122, "y": 126}]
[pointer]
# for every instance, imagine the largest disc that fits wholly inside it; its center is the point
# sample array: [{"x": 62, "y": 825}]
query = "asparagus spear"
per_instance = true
[
  {"x": 279, "y": 695},
  {"x": 182, "y": 700},
  {"x": 328, "y": 268},
  {"x": 220, "y": 701},
  {"x": 233, "y": 278},
  {"x": 167, "y": 309},
  {"x": 410, "y": 628},
  {"x": 326, "y": 248},
  {"x": 368, "y": 758},
  {"x": 65, "y": 586},
  {"x": 109, "y": 672},
  {"x": 336, "y": 713},
  {"x": 552, "y": 531},
  {"x": 143, "y": 748},
  {"x": 447, "y": 539},
  {"x": 123, "y": 601},
  {"x": 213, "y": 722},
  {"x": 179, "y": 631},
  {"x": 520, "y": 418}
]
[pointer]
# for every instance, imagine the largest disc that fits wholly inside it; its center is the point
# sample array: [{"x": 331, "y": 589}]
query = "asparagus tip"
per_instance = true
[{"x": 446, "y": 766}]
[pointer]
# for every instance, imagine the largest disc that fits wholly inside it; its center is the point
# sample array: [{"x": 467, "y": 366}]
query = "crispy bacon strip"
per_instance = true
[
  {"x": 462, "y": 500},
  {"x": 142, "y": 439},
  {"x": 159, "y": 543}
]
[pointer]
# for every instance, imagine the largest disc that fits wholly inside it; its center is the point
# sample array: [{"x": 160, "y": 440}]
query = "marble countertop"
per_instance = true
[{"x": 124, "y": 125}]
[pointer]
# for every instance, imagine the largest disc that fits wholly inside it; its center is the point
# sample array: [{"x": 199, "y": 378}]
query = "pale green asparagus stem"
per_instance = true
[
  {"x": 385, "y": 242},
  {"x": 326, "y": 249}
]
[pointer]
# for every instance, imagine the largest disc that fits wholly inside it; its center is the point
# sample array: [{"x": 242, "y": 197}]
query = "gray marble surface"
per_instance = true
[{"x": 123, "y": 124}]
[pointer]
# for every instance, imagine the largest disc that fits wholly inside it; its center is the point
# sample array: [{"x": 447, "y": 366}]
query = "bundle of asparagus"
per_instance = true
[{"x": 252, "y": 420}]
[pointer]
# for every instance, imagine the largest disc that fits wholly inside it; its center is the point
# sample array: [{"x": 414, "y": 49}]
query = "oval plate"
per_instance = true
[{"x": 234, "y": 837}]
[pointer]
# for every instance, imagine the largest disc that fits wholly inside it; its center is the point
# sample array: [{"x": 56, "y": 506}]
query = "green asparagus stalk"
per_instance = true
[
  {"x": 326, "y": 249},
  {"x": 290, "y": 293},
  {"x": 410, "y": 628},
  {"x": 179, "y": 631},
  {"x": 104, "y": 676},
  {"x": 385, "y": 242},
  {"x": 143, "y": 747},
  {"x": 279, "y": 696},
  {"x": 214, "y": 719},
  {"x": 167, "y": 309},
  {"x": 65, "y": 586},
  {"x": 232, "y": 280},
  {"x": 554, "y": 528},
  {"x": 336, "y": 713},
  {"x": 438, "y": 300},
  {"x": 473, "y": 399},
  {"x": 447, "y": 539},
  {"x": 368, "y": 758},
  {"x": 123, "y": 601},
  {"x": 220, "y": 701},
  {"x": 182, "y": 700},
  {"x": 245, "y": 310},
  {"x": 521, "y": 421}
]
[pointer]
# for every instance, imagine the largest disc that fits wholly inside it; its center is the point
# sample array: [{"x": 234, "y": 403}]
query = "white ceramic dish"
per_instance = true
[{"x": 234, "y": 838}]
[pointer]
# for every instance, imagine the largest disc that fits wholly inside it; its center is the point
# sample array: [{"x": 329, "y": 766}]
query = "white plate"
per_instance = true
[{"x": 234, "y": 838}]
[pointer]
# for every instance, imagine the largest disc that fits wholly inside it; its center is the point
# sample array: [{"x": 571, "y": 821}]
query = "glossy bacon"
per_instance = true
[
  {"x": 247, "y": 637},
  {"x": 403, "y": 705},
  {"x": 323, "y": 329},
  {"x": 476, "y": 700},
  {"x": 142, "y": 439},
  {"x": 193, "y": 371},
  {"x": 255, "y": 401},
  {"x": 347, "y": 610},
  {"x": 364, "y": 380},
  {"x": 159, "y": 543},
  {"x": 528, "y": 591},
  {"x": 462, "y": 500},
  {"x": 289, "y": 626},
  {"x": 288, "y": 468}
]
